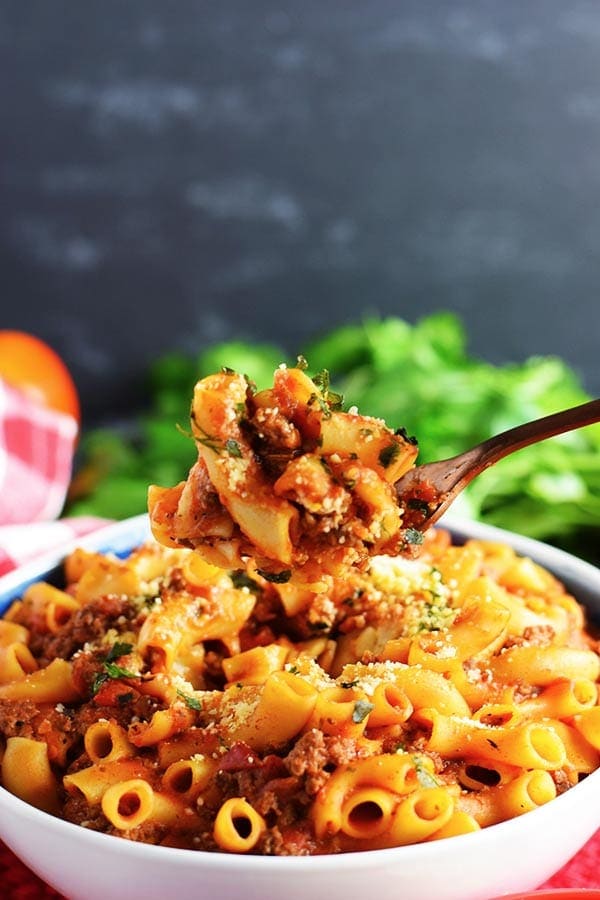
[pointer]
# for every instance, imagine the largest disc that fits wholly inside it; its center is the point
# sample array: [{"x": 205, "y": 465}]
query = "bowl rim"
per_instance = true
[{"x": 118, "y": 537}]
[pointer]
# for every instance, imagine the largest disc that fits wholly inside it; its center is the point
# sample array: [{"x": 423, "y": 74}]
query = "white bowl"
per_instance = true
[{"x": 513, "y": 856}]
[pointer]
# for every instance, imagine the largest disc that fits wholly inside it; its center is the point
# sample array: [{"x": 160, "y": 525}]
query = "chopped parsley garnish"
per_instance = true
[
  {"x": 191, "y": 702},
  {"x": 110, "y": 667},
  {"x": 241, "y": 579},
  {"x": 233, "y": 448},
  {"x": 114, "y": 671},
  {"x": 361, "y": 710},
  {"x": 389, "y": 454},
  {"x": 325, "y": 409},
  {"x": 413, "y": 536},
  {"x": 333, "y": 401},
  {"x": 349, "y": 684},
  {"x": 118, "y": 649},
  {"x": 424, "y": 776},
  {"x": 207, "y": 441},
  {"x": 276, "y": 577}
]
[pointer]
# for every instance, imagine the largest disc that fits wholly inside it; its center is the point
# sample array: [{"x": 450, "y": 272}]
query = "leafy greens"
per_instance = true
[{"x": 420, "y": 377}]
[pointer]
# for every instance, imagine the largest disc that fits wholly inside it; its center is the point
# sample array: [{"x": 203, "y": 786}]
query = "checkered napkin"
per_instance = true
[
  {"x": 36, "y": 458},
  {"x": 36, "y": 455}
]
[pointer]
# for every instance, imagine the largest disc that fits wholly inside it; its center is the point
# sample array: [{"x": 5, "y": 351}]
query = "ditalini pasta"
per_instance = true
[{"x": 175, "y": 701}]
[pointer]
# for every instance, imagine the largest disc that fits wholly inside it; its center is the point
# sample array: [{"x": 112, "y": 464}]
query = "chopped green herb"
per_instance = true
[
  {"x": 233, "y": 448},
  {"x": 413, "y": 536},
  {"x": 207, "y": 441},
  {"x": 190, "y": 701},
  {"x": 241, "y": 579},
  {"x": 110, "y": 668},
  {"x": 389, "y": 454},
  {"x": 332, "y": 399},
  {"x": 320, "y": 401},
  {"x": 118, "y": 649},
  {"x": 301, "y": 363},
  {"x": 185, "y": 432},
  {"x": 349, "y": 684},
  {"x": 276, "y": 577},
  {"x": 99, "y": 679},
  {"x": 115, "y": 671},
  {"x": 362, "y": 708},
  {"x": 424, "y": 776}
]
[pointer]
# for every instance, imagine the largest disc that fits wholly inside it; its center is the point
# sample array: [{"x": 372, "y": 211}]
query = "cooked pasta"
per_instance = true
[
  {"x": 172, "y": 701},
  {"x": 286, "y": 478}
]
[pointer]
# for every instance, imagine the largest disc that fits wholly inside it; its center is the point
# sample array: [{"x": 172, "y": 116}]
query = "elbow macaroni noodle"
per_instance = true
[{"x": 170, "y": 701}]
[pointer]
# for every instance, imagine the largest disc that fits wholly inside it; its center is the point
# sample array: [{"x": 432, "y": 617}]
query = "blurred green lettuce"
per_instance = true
[{"x": 420, "y": 377}]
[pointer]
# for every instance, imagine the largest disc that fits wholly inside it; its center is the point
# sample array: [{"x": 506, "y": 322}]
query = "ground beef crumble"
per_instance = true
[{"x": 87, "y": 625}]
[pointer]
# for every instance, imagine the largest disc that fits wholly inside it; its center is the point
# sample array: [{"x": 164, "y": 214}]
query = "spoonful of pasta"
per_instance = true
[{"x": 291, "y": 488}]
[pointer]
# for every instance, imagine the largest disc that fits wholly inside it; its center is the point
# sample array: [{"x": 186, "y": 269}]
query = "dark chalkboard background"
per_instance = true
[{"x": 173, "y": 173}]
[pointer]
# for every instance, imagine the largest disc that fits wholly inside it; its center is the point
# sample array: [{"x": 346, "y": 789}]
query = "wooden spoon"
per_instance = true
[{"x": 425, "y": 492}]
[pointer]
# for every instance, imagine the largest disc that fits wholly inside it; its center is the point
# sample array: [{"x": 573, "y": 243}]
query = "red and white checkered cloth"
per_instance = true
[
  {"x": 36, "y": 456},
  {"x": 20, "y": 543},
  {"x": 36, "y": 459}
]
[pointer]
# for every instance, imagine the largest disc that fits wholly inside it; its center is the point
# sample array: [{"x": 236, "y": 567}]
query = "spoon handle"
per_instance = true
[
  {"x": 440, "y": 482},
  {"x": 499, "y": 446}
]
